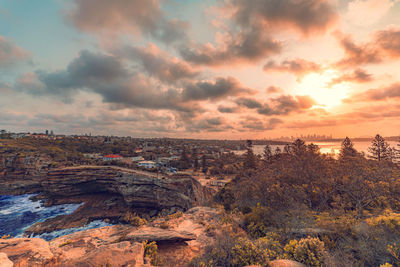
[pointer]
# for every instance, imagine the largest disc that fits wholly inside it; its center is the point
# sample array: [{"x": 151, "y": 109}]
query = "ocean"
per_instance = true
[{"x": 17, "y": 213}]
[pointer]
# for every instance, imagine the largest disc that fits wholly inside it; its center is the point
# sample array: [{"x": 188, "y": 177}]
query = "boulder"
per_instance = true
[
  {"x": 286, "y": 263},
  {"x": 159, "y": 235},
  {"x": 5, "y": 261},
  {"x": 27, "y": 251}
]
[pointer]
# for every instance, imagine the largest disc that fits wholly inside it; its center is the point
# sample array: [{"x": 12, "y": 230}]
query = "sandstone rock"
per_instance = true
[
  {"x": 159, "y": 235},
  {"x": 30, "y": 252},
  {"x": 5, "y": 261},
  {"x": 285, "y": 263}
]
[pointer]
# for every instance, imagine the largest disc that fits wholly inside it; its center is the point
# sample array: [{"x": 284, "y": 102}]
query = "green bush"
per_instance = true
[{"x": 310, "y": 251}]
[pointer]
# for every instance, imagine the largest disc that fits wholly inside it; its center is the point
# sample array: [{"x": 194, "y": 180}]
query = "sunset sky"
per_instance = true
[{"x": 200, "y": 68}]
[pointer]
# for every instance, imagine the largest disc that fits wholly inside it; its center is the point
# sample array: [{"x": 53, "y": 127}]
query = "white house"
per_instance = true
[{"x": 147, "y": 164}]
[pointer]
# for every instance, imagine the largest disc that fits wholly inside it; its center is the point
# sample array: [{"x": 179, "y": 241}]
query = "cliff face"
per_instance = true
[
  {"x": 108, "y": 192},
  {"x": 138, "y": 189}
]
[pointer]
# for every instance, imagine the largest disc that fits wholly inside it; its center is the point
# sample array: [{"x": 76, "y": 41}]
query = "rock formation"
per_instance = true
[{"x": 107, "y": 191}]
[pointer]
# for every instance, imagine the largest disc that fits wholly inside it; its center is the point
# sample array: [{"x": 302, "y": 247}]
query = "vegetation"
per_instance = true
[
  {"x": 327, "y": 211},
  {"x": 133, "y": 219},
  {"x": 151, "y": 252}
]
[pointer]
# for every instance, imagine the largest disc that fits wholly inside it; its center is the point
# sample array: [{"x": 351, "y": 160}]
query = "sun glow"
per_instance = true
[{"x": 322, "y": 90}]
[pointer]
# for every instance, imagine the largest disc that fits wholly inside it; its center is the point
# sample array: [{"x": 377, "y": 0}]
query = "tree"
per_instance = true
[
  {"x": 184, "y": 160},
  {"x": 347, "y": 149},
  {"x": 203, "y": 164},
  {"x": 267, "y": 155},
  {"x": 195, "y": 160},
  {"x": 380, "y": 149},
  {"x": 250, "y": 158}
]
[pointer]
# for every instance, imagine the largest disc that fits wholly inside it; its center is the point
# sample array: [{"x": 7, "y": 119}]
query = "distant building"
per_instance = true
[
  {"x": 135, "y": 159},
  {"x": 112, "y": 157},
  {"x": 92, "y": 155},
  {"x": 147, "y": 164}
]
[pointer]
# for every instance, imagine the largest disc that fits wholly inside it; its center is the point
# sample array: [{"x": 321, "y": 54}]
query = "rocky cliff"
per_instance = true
[{"x": 107, "y": 191}]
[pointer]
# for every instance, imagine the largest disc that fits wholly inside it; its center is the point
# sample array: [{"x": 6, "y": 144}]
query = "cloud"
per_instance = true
[
  {"x": 305, "y": 16},
  {"x": 256, "y": 124},
  {"x": 274, "y": 90},
  {"x": 158, "y": 63},
  {"x": 390, "y": 92},
  {"x": 368, "y": 12},
  {"x": 389, "y": 41},
  {"x": 248, "y": 103},
  {"x": 107, "y": 76},
  {"x": 213, "y": 124},
  {"x": 225, "y": 109},
  {"x": 10, "y": 53},
  {"x": 286, "y": 104},
  {"x": 247, "y": 45},
  {"x": 357, "y": 76},
  {"x": 125, "y": 16},
  {"x": 218, "y": 89},
  {"x": 298, "y": 66},
  {"x": 356, "y": 55}
]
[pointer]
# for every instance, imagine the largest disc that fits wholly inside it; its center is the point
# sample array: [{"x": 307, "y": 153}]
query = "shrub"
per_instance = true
[
  {"x": 5, "y": 237},
  {"x": 133, "y": 219},
  {"x": 65, "y": 243},
  {"x": 176, "y": 215},
  {"x": 394, "y": 251},
  {"x": 151, "y": 252},
  {"x": 246, "y": 252},
  {"x": 232, "y": 250},
  {"x": 309, "y": 251}
]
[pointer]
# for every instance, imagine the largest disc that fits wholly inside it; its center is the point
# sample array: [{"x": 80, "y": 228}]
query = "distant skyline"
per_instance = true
[{"x": 221, "y": 69}]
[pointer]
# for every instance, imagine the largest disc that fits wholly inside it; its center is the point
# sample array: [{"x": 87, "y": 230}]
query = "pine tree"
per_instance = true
[
  {"x": 380, "y": 149},
  {"x": 250, "y": 158},
  {"x": 267, "y": 155},
  {"x": 195, "y": 160},
  {"x": 203, "y": 164},
  {"x": 347, "y": 149},
  {"x": 278, "y": 151}
]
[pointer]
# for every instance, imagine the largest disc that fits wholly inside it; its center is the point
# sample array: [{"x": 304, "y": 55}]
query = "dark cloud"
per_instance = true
[
  {"x": 248, "y": 103},
  {"x": 224, "y": 109},
  {"x": 159, "y": 64},
  {"x": 11, "y": 53},
  {"x": 215, "y": 124},
  {"x": 286, "y": 104},
  {"x": 125, "y": 16},
  {"x": 247, "y": 45},
  {"x": 357, "y": 76},
  {"x": 107, "y": 76},
  {"x": 220, "y": 88},
  {"x": 306, "y": 16},
  {"x": 298, "y": 66},
  {"x": 257, "y": 124}
]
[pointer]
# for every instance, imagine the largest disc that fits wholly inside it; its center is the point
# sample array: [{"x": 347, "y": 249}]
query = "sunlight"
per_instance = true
[{"x": 317, "y": 86}]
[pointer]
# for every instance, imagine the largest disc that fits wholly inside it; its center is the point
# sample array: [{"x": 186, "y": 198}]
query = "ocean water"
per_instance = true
[{"x": 17, "y": 213}]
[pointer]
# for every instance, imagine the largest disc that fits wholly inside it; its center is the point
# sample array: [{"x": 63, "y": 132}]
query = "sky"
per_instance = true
[{"x": 222, "y": 69}]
